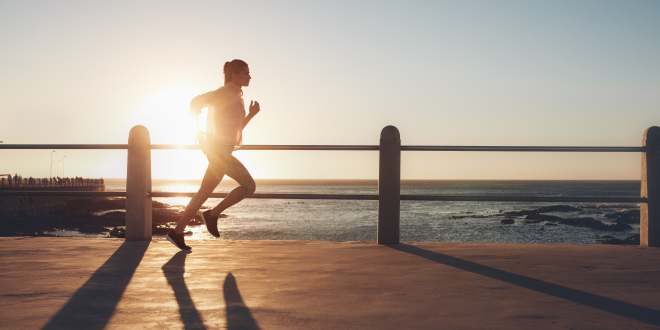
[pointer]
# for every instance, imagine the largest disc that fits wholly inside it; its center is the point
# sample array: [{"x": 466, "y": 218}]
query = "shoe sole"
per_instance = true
[{"x": 174, "y": 243}]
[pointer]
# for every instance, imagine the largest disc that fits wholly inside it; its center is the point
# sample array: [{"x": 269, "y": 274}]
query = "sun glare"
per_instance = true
[{"x": 165, "y": 113}]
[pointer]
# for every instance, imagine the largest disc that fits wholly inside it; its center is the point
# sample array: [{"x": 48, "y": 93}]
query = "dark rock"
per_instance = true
[
  {"x": 542, "y": 217},
  {"x": 544, "y": 209},
  {"x": 519, "y": 213},
  {"x": 161, "y": 230},
  {"x": 159, "y": 205},
  {"x": 626, "y": 217},
  {"x": 550, "y": 224},
  {"x": 84, "y": 206},
  {"x": 119, "y": 231},
  {"x": 630, "y": 240},
  {"x": 594, "y": 224},
  {"x": 611, "y": 206},
  {"x": 507, "y": 221},
  {"x": 619, "y": 227},
  {"x": 112, "y": 218},
  {"x": 163, "y": 216},
  {"x": 470, "y": 216},
  {"x": 586, "y": 222},
  {"x": 91, "y": 228},
  {"x": 558, "y": 208},
  {"x": 62, "y": 206}
]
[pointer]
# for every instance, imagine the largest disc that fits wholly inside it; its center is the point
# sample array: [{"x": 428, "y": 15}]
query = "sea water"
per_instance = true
[{"x": 351, "y": 220}]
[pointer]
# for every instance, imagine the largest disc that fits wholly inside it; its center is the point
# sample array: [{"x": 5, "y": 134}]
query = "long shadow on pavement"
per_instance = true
[
  {"x": 238, "y": 315},
  {"x": 93, "y": 304},
  {"x": 639, "y": 313},
  {"x": 174, "y": 270}
]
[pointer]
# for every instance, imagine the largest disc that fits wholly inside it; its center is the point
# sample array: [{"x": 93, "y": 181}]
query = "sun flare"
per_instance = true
[{"x": 165, "y": 113}]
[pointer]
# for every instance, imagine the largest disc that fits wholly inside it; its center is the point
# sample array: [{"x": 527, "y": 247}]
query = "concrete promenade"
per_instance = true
[{"x": 95, "y": 283}]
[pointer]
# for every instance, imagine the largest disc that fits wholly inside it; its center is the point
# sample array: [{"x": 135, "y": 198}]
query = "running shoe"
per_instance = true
[
  {"x": 210, "y": 221},
  {"x": 177, "y": 240}
]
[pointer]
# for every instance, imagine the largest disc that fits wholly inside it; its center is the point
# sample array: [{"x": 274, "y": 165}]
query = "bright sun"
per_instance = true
[{"x": 165, "y": 113}]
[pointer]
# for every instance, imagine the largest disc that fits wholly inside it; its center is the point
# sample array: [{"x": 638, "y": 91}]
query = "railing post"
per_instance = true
[
  {"x": 649, "y": 225},
  {"x": 389, "y": 185},
  {"x": 138, "y": 185}
]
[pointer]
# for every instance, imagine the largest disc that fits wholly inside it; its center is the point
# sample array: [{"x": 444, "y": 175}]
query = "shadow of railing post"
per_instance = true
[
  {"x": 238, "y": 314},
  {"x": 649, "y": 217},
  {"x": 640, "y": 313},
  {"x": 138, "y": 185},
  {"x": 94, "y": 303},
  {"x": 389, "y": 186}
]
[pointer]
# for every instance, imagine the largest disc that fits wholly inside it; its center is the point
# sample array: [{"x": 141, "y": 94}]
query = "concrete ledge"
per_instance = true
[{"x": 95, "y": 283}]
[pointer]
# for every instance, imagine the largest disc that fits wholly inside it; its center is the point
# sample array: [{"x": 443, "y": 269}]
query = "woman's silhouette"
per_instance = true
[{"x": 225, "y": 123}]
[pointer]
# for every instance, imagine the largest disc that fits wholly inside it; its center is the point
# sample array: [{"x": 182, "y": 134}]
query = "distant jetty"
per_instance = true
[{"x": 17, "y": 182}]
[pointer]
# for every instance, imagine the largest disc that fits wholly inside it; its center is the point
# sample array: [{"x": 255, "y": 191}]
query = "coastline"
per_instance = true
[{"x": 104, "y": 217}]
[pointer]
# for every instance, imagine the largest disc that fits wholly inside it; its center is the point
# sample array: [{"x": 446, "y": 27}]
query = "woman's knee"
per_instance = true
[{"x": 250, "y": 186}]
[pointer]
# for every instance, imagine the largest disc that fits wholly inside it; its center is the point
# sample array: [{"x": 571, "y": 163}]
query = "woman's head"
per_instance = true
[{"x": 237, "y": 71}]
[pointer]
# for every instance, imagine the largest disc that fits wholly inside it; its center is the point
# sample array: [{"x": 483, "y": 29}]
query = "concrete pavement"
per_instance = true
[{"x": 109, "y": 283}]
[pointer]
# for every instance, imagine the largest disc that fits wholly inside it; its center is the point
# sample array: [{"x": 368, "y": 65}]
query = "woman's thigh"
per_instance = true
[
  {"x": 217, "y": 164},
  {"x": 212, "y": 178},
  {"x": 235, "y": 170}
]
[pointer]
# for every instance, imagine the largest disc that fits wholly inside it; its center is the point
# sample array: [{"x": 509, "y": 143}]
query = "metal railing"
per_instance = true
[{"x": 138, "y": 191}]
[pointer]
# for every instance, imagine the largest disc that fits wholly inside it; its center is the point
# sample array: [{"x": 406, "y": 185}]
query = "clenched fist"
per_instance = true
[{"x": 254, "y": 108}]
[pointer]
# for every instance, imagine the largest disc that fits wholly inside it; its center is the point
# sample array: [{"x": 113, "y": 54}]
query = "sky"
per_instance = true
[{"x": 561, "y": 73}]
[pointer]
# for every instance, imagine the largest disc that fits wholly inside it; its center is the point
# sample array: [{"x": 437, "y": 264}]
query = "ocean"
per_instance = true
[{"x": 433, "y": 221}]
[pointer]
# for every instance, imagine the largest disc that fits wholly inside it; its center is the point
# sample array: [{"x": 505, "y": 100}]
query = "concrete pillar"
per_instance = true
[
  {"x": 649, "y": 225},
  {"x": 389, "y": 186},
  {"x": 138, "y": 185}
]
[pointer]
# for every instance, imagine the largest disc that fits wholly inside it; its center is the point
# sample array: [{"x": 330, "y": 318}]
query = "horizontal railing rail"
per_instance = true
[
  {"x": 64, "y": 146},
  {"x": 338, "y": 147},
  {"x": 524, "y": 148},
  {"x": 62, "y": 193},
  {"x": 138, "y": 191},
  {"x": 403, "y": 197}
]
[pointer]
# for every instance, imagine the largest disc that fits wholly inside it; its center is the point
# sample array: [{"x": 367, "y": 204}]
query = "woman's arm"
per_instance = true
[
  {"x": 254, "y": 110},
  {"x": 200, "y": 101}
]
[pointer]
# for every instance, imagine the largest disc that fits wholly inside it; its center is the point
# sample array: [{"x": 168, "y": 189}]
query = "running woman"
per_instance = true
[{"x": 225, "y": 123}]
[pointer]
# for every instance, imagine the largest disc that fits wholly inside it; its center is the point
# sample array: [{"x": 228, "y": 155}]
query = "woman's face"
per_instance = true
[{"x": 242, "y": 77}]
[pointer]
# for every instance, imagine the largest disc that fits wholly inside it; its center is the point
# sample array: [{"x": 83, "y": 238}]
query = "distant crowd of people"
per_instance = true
[{"x": 19, "y": 181}]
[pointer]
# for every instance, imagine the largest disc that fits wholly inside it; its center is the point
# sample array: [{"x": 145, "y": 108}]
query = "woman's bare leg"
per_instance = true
[
  {"x": 212, "y": 178},
  {"x": 238, "y": 172}
]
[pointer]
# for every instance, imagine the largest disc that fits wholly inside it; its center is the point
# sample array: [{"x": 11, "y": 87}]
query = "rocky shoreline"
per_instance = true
[
  {"x": 105, "y": 216},
  {"x": 622, "y": 220},
  {"x": 35, "y": 216}
]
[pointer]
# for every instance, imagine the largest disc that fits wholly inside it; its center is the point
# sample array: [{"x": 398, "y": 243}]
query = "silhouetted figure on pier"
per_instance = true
[{"x": 225, "y": 124}]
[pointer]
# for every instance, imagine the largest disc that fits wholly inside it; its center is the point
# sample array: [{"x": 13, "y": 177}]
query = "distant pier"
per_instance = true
[{"x": 17, "y": 182}]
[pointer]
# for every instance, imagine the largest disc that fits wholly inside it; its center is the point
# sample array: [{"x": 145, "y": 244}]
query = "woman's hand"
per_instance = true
[{"x": 254, "y": 108}]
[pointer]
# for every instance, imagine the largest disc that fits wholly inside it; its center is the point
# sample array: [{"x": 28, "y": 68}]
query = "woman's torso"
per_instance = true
[{"x": 226, "y": 112}]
